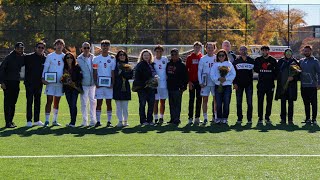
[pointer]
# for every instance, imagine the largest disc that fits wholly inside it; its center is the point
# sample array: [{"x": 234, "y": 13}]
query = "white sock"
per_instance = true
[
  {"x": 47, "y": 117},
  {"x": 155, "y": 116},
  {"x": 161, "y": 116},
  {"x": 109, "y": 114},
  {"x": 205, "y": 115},
  {"x": 55, "y": 115},
  {"x": 98, "y": 114},
  {"x": 215, "y": 115}
]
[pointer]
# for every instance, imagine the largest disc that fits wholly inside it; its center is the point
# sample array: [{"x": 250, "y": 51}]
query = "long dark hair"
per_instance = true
[
  {"x": 118, "y": 56},
  {"x": 73, "y": 64},
  {"x": 225, "y": 54}
]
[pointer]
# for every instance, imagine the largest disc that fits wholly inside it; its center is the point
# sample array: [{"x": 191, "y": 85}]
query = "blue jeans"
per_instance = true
[
  {"x": 146, "y": 95},
  {"x": 72, "y": 97},
  {"x": 249, "y": 93},
  {"x": 223, "y": 101}
]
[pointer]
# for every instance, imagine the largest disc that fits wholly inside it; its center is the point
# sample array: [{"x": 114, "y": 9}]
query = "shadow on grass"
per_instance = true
[{"x": 82, "y": 131}]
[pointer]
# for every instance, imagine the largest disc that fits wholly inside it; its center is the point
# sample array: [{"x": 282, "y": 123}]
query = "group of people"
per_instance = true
[{"x": 157, "y": 78}]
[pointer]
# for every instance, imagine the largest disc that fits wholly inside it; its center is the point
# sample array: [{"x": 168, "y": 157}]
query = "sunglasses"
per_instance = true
[
  {"x": 40, "y": 47},
  {"x": 86, "y": 47},
  {"x": 69, "y": 57},
  {"x": 221, "y": 55},
  {"x": 174, "y": 54}
]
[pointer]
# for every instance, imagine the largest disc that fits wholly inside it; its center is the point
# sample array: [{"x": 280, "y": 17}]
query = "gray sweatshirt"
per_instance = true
[
  {"x": 85, "y": 64},
  {"x": 310, "y": 74}
]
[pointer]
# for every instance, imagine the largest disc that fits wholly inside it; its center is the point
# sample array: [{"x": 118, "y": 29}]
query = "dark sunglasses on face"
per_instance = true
[
  {"x": 40, "y": 47},
  {"x": 221, "y": 55},
  {"x": 86, "y": 47},
  {"x": 68, "y": 57},
  {"x": 174, "y": 54}
]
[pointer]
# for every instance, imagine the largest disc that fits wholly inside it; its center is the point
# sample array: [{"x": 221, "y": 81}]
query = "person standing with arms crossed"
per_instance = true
[{"x": 194, "y": 86}]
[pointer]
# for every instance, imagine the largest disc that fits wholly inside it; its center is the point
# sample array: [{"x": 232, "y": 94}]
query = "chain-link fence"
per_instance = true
[{"x": 240, "y": 23}]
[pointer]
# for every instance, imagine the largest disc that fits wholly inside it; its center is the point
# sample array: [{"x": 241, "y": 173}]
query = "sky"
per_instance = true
[{"x": 311, "y": 7}]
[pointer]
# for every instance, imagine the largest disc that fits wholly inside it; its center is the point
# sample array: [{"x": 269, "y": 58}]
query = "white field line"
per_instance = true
[{"x": 162, "y": 155}]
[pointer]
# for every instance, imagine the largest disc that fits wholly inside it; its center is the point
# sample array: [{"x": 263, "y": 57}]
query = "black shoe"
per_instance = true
[
  {"x": 169, "y": 122},
  {"x": 260, "y": 122},
  {"x": 268, "y": 121},
  {"x": 314, "y": 122},
  {"x": 10, "y": 126},
  {"x": 156, "y": 121},
  {"x": 109, "y": 124},
  {"x": 177, "y": 123},
  {"x": 97, "y": 124},
  {"x": 291, "y": 123},
  {"x": 307, "y": 121},
  {"x": 161, "y": 121},
  {"x": 14, "y": 124},
  {"x": 283, "y": 122}
]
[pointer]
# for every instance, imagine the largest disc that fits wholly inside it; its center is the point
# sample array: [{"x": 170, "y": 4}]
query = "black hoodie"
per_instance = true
[
  {"x": 11, "y": 67},
  {"x": 177, "y": 76}
]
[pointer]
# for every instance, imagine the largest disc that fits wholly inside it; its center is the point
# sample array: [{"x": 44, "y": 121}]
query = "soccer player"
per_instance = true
[
  {"x": 10, "y": 80},
  {"x": 194, "y": 86},
  {"x": 54, "y": 63},
  {"x": 267, "y": 68},
  {"x": 33, "y": 82},
  {"x": 206, "y": 83},
  {"x": 160, "y": 64},
  {"x": 310, "y": 82},
  {"x": 103, "y": 66},
  {"x": 85, "y": 62}
]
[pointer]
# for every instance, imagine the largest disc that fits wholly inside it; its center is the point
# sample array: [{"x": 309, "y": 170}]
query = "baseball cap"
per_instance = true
[{"x": 19, "y": 45}]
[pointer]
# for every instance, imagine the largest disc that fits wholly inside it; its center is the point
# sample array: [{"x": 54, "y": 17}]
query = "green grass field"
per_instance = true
[{"x": 152, "y": 152}]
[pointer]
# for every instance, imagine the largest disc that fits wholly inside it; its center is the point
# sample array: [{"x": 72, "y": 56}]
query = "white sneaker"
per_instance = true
[
  {"x": 70, "y": 125},
  {"x": 92, "y": 123},
  {"x": 55, "y": 123},
  {"x": 119, "y": 124},
  {"x": 217, "y": 121},
  {"x": 224, "y": 121},
  {"x": 39, "y": 123},
  {"x": 84, "y": 124},
  {"x": 29, "y": 124}
]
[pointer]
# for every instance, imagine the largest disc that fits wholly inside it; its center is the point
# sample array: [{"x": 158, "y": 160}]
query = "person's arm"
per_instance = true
[
  {"x": 200, "y": 68},
  {"x": 256, "y": 65},
  {"x": 3, "y": 68},
  {"x": 231, "y": 75},
  {"x": 46, "y": 66},
  {"x": 235, "y": 81},
  {"x": 214, "y": 73}
]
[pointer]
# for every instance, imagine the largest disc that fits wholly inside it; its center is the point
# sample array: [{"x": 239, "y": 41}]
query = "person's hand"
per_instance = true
[
  {"x": 222, "y": 79},
  {"x": 3, "y": 86},
  {"x": 235, "y": 87},
  {"x": 290, "y": 78},
  {"x": 45, "y": 82},
  {"x": 190, "y": 85}
]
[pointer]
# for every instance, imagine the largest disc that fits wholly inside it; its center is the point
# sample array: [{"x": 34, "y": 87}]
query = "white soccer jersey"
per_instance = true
[
  {"x": 160, "y": 66},
  {"x": 205, "y": 65},
  {"x": 105, "y": 65},
  {"x": 54, "y": 63}
]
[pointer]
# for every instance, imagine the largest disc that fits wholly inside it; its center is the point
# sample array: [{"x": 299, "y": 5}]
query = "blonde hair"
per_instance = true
[{"x": 141, "y": 54}]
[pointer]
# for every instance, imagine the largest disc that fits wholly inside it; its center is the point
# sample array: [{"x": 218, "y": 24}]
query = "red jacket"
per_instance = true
[{"x": 192, "y": 66}]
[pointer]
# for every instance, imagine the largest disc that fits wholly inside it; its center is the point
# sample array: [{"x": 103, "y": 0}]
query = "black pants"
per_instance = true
[
  {"x": 11, "y": 94},
  {"x": 72, "y": 97},
  {"x": 195, "y": 92},
  {"x": 33, "y": 95},
  {"x": 239, "y": 94},
  {"x": 146, "y": 95},
  {"x": 175, "y": 99},
  {"x": 309, "y": 96},
  {"x": 283, "y": 113},
  {"x": 269, "y": 94}
]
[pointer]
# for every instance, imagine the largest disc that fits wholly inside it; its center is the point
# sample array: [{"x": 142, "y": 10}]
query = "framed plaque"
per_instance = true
[
  {"x": 204, "y": 78},
  {"x": 104, "y": 81},
  {"x": 50, "y": 77}
]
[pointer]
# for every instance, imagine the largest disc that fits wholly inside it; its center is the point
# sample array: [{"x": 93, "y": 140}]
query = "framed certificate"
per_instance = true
[
  {"x": 104, "y": 81},
  {"x": 204, "y": 78},
  {"x": 50, "y": 77}
]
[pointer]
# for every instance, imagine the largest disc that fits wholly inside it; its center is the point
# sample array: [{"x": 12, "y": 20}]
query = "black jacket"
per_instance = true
[
  {"x": 292, "y": 91},
  {"x": 244, "y": 70},
  {"x": 141, "y": 75},
  {"x": 76, "y": 76},
  {"x": 268, "y": 71},
  {"x": 122, "y": 76},
  {"x": 33, "y": 69},
  {"x": 11, "y": 67},
  {"x": 177, "y": 76}
]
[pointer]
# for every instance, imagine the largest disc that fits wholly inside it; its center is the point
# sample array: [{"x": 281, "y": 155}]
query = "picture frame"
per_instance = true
[
  {"x": 50, "y": 77},
  {"x": 104, "y": 81},
  {"x": 204, "y": 78}
]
